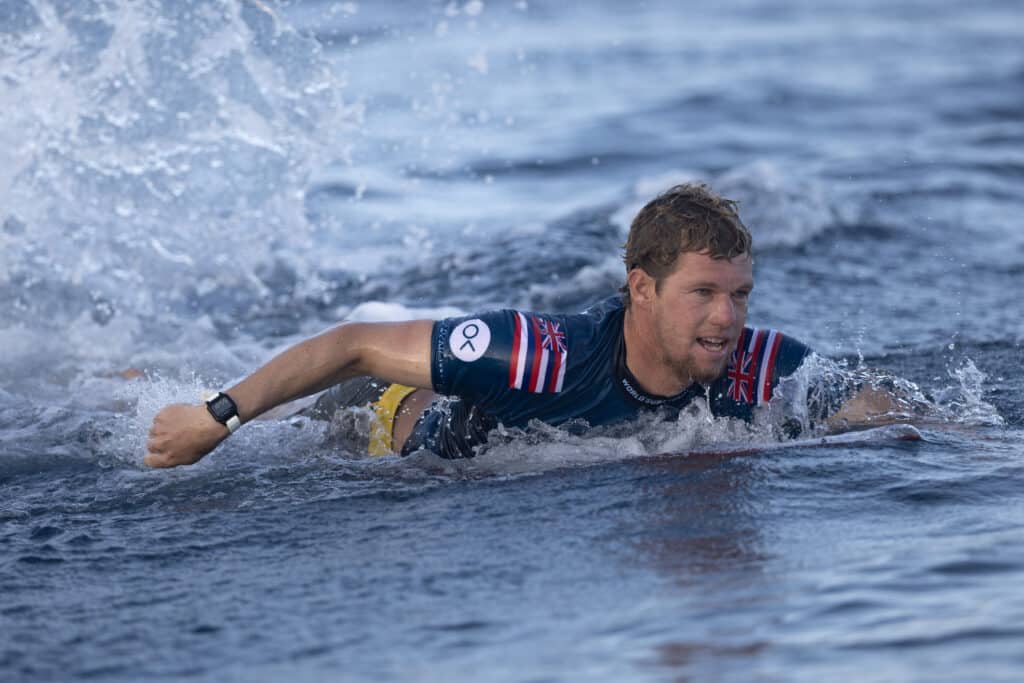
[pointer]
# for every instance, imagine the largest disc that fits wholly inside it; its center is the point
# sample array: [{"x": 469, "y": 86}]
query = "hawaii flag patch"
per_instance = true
[
  {"x": 753, "y": 361},
  {"x": 539, "y": 355}
]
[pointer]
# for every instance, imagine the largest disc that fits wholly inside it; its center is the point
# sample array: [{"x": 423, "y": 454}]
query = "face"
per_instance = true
[{"x": 699, "y": 312}]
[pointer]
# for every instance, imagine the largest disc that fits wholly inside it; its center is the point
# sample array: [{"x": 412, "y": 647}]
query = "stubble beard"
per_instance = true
[
  {"x": 707, "y": 376},
  {"x": 687, "y": 371}
]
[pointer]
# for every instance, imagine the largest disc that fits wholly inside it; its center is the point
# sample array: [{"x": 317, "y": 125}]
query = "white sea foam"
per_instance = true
[
  {"x": 965, "y": 399},
  {"x": 383, "y": 311},
  {"x": 645, "y": 189},
  {"x": 601, "y": 278},
  {"x": 151, "y": 144},
  {"x": 781, "y": 208}
]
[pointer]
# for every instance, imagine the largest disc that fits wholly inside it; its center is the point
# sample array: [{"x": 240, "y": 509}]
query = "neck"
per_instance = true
[{"x": 645, "y": 361}]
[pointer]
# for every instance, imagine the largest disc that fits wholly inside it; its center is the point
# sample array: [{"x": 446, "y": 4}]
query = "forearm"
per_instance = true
[
  {"x": 393, "y": 352},
  {"x": 868, "y": 407}
]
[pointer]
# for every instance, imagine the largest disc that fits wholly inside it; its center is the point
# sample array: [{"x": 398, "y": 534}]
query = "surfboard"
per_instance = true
[{"x": 863, "y": 437}]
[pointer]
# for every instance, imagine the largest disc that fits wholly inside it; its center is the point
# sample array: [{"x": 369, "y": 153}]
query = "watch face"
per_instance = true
[{"x": 222, "y": 408}]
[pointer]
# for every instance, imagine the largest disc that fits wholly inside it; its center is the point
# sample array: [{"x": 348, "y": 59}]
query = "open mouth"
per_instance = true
[{"x": 713, "y": 344}]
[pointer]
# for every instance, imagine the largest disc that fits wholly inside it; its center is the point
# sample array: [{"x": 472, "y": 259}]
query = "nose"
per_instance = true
[{"x": 723, "y": 311}]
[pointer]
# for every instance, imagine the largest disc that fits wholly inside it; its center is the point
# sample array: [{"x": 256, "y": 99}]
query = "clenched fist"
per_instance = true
[{"x": 181, "y": 435}]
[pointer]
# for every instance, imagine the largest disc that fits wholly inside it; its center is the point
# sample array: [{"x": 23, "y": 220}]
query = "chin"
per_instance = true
[{"x": 708, "y": 375}]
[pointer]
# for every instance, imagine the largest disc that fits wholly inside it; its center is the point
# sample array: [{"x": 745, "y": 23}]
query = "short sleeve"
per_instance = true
[
  {"x": 498, "y": 358},
  {"x": 470, "y": 355},
  {"x": 790, "y": 356}
]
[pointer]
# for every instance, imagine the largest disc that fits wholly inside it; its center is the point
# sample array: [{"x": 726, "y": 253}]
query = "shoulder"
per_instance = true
[
  {"x": 775, "y": 350},
  {"x": 471, "y": 335},
  {"x": 788, "y": 353},
  {"x": 603, "y": 309},
  {"x": 762, "y": 357},
  {"x": 600, "y": 320},
  {"x": 528, "y": 350}
]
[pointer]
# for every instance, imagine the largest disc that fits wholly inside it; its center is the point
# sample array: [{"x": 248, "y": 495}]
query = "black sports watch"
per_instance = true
[{"x": 225, "y": 411}]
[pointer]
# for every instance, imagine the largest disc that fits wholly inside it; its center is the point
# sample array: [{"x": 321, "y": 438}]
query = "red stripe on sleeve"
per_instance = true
[
  {"x": 767, "y": 396},
  {"x": 754, "y": 357}
]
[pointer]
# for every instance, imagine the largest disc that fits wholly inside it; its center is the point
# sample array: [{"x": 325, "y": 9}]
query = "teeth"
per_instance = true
[{"x": 715, "y": 344}]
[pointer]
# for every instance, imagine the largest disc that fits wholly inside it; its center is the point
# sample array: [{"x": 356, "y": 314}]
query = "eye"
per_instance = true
[
  {"x": 703, "y": 291},
  {"x": 742, "y": 296}
]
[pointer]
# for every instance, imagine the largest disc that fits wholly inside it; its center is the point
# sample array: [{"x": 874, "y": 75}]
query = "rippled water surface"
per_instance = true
[{"x": 186, "y": 188}]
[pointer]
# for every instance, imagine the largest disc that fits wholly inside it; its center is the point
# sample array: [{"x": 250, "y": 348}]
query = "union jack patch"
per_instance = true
[
  {"x": 540, "y": 353},
  {"x": 751, "y": 367}
]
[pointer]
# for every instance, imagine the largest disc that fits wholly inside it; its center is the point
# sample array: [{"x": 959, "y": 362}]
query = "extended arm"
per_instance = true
[
  {"x": 869, "y": 407},
  {"x": 395, "y": 352}
]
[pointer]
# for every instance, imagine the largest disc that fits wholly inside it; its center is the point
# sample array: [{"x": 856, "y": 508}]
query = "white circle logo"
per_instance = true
[{"x": 470, "y": 340}]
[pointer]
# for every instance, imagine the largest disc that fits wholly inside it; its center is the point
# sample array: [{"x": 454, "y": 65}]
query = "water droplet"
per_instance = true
[{"x": 102, "y": 311}]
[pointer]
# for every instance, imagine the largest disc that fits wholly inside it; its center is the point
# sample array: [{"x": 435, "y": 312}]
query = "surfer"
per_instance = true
[{"x": 675, "y": 332}]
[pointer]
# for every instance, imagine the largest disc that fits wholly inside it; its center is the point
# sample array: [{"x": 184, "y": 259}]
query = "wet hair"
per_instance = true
[{"x": 684, "y": 218}]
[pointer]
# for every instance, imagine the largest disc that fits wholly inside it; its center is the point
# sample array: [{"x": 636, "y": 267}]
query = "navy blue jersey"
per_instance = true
[{"x": 511, "y": 367}]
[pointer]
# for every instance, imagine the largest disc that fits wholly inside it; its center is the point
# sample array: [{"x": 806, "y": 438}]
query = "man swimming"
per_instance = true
[{"x": 676, "y": 332}]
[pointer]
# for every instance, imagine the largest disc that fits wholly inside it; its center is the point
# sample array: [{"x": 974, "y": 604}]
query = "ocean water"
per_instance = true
[{"x": 187, "y": 187}]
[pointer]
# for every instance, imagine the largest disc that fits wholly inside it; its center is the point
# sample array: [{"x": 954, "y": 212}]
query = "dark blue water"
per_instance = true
[{"x": 187, "y": 187}]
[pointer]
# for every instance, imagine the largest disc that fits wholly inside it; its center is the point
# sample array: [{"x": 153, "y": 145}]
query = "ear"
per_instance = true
[{"x": 641, "y": 287}]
